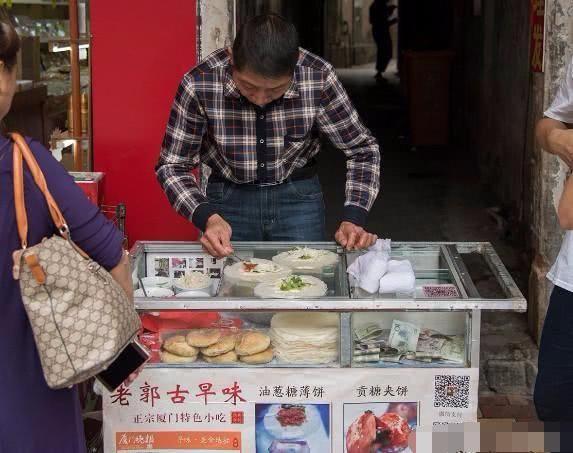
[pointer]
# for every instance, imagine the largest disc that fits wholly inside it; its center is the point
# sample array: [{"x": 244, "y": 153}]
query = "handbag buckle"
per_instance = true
[{"x": 64, "y": 230}]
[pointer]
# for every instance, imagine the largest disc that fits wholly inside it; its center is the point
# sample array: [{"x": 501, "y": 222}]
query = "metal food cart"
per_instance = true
[{"x": 202, "y": 406}]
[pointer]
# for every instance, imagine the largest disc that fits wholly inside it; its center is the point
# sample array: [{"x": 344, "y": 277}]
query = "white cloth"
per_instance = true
[
  {"x": 399, "y": 279},
  {"x": 561, "y": 108},
  {"x": 561, "y": 274},
  {"x": 369, "y": 268}
]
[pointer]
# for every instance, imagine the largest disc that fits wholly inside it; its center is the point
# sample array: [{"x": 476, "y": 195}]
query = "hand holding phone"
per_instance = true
[{"x": 125, "y": 368}]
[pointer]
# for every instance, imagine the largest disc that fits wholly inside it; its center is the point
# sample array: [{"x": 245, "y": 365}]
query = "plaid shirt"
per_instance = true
[{"x": 211, "y": 123}]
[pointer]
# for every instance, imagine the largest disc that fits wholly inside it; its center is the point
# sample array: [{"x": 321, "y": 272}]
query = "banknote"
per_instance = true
[
  {"x": 422, "y": 356},
  {"x": 368, "y": 332},
  {"x": 404, "y": 335},
  {"x": 454, "y": 349},
  {"x": 392, "y": 358},
  {"x": 367, "y": 346},
  {"x": 430, "y": 344},
  {"x": 375, "y": 343},
  {"x": 388, "y": 351},
  {"x": 359, "y": 351},
  {"x": 369, "y": 358}
]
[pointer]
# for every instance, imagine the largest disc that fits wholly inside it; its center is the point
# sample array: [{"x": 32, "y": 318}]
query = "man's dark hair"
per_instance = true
[{"x": 266, "y": 45}]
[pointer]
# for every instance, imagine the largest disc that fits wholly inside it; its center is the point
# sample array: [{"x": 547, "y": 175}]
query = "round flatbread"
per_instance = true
[
  {"x": 224, "y": 345},
  {"x": 203, "y": 338},
  {"x": 258, "y": 359},
  {"x": 167, "y": 357},
  {"x": 303, "y": 321},
  {"x": 252, "y": 342},
  {"x": 292, "y": 287},
  {"x": 256, "y": 270},
  {"x": 229, "y": 357},
  {"x": 306, "y": 259},
  {"x": 178, "y": 346}
]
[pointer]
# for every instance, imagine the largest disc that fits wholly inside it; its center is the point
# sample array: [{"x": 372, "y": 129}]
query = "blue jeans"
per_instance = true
[
  {"x": 553, "y": 396},
  {"x": 292, "y": 211}
]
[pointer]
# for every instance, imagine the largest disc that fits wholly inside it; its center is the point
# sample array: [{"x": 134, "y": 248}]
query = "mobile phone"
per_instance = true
[{"x": 129, "y": 360}]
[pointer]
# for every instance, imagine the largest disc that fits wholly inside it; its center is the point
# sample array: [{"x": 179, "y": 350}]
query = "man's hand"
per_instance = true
[
  {"x": 217, "y": 237},
  {"x": 353, "y": 237}
]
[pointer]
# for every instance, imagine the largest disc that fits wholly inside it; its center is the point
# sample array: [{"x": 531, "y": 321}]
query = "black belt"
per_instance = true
[{"x": 306, "y": 172}]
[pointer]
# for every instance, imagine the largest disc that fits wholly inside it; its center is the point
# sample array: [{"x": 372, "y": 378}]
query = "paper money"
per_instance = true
[
  {"x": 368, "y": 346},
  {"x": 369, "y": 358},
  {"x": 404, "y": 335},
  {"x": 368, "y": 332},
  {"x": 430, "y": 344},
  {"x": 388, "y": 351},
  {"x": 392, "y": 358},
  {"x": 366, "y": 351},
  {"x": 376, "y": 343},
  {"x": 454, "y": 350}
]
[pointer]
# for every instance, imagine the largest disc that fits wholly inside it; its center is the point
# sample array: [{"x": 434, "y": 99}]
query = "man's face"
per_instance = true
[{"x": 260, "y": 90}]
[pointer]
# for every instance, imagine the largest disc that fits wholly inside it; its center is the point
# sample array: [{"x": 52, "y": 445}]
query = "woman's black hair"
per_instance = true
[{"x": 9, "y": 45}]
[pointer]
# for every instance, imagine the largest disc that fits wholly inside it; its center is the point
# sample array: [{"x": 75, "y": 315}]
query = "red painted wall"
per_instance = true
[{"x": 140, "y": 51}]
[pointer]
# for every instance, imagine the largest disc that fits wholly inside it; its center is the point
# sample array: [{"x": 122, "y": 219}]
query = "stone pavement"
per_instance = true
[{"x": 436, "y": 195}]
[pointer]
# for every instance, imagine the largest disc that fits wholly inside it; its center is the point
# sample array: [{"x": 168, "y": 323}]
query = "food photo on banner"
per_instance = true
[
  {"x": 303, "y": 428},
  {"x": 162, "y": 267},
  {"x": 379, "y": 427}
]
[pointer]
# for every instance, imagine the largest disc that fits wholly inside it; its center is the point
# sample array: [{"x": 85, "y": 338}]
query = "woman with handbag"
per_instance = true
[{"x": 33, "y": 416}]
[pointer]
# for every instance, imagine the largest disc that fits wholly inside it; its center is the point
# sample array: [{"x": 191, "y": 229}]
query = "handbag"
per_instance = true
[{"x": 81, "y": 318}]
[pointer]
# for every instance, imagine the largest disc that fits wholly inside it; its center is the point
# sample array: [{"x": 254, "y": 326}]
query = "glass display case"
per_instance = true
[
  {"x": 435, "y": 325},
  {"x": 267, "y": 348}
]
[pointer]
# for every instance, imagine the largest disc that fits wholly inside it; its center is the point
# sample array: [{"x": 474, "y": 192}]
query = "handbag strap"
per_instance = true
[{"x": 22, "y": 150}]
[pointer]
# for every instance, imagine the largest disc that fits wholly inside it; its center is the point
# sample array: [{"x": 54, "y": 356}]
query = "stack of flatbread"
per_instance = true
[
  {"x": 219, "y": 347},
  {"x": 302, "y": 337}
]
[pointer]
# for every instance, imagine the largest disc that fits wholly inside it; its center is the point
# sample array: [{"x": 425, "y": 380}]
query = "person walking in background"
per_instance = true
[{"x": 380, "y": 13}]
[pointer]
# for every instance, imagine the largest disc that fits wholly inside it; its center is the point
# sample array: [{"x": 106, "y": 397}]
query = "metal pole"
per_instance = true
[{"x": 76, "y": 88}]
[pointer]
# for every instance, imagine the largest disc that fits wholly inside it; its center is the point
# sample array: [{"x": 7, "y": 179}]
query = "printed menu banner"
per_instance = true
[
  {"x": 178, "y": 265},
  {"x": 266, "y": 410}
]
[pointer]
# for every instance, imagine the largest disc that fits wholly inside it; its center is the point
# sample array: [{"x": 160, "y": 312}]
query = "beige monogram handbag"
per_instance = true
[{"x": 80, "y": 316}]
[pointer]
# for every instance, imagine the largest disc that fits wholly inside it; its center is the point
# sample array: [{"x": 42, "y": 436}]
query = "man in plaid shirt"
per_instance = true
[{"x": 255, "y": 114}]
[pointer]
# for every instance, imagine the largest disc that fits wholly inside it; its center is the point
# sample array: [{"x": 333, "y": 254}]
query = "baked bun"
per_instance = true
[
  {"x": 224, "y": 345},
  {"x": 252, "y": 342},
  {"x": 178, "y": 346},
  {"x": 203, "y": 338},
  {"x": 228, "y": 357},
  {"x": 167, "y": 357},
  {"x": 257, "y": 359}
]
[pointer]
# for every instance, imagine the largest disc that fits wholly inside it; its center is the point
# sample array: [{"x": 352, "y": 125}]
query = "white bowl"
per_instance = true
[
  {"x": 153, "y": 291},
  {"x": 161, "y": 282},
  {"x": 182, "y": 289},
  {"x": 193, "y": 293}
]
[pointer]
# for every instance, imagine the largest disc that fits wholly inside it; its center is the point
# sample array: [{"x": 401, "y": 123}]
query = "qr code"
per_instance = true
[{"x": 452, "y": 391}]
